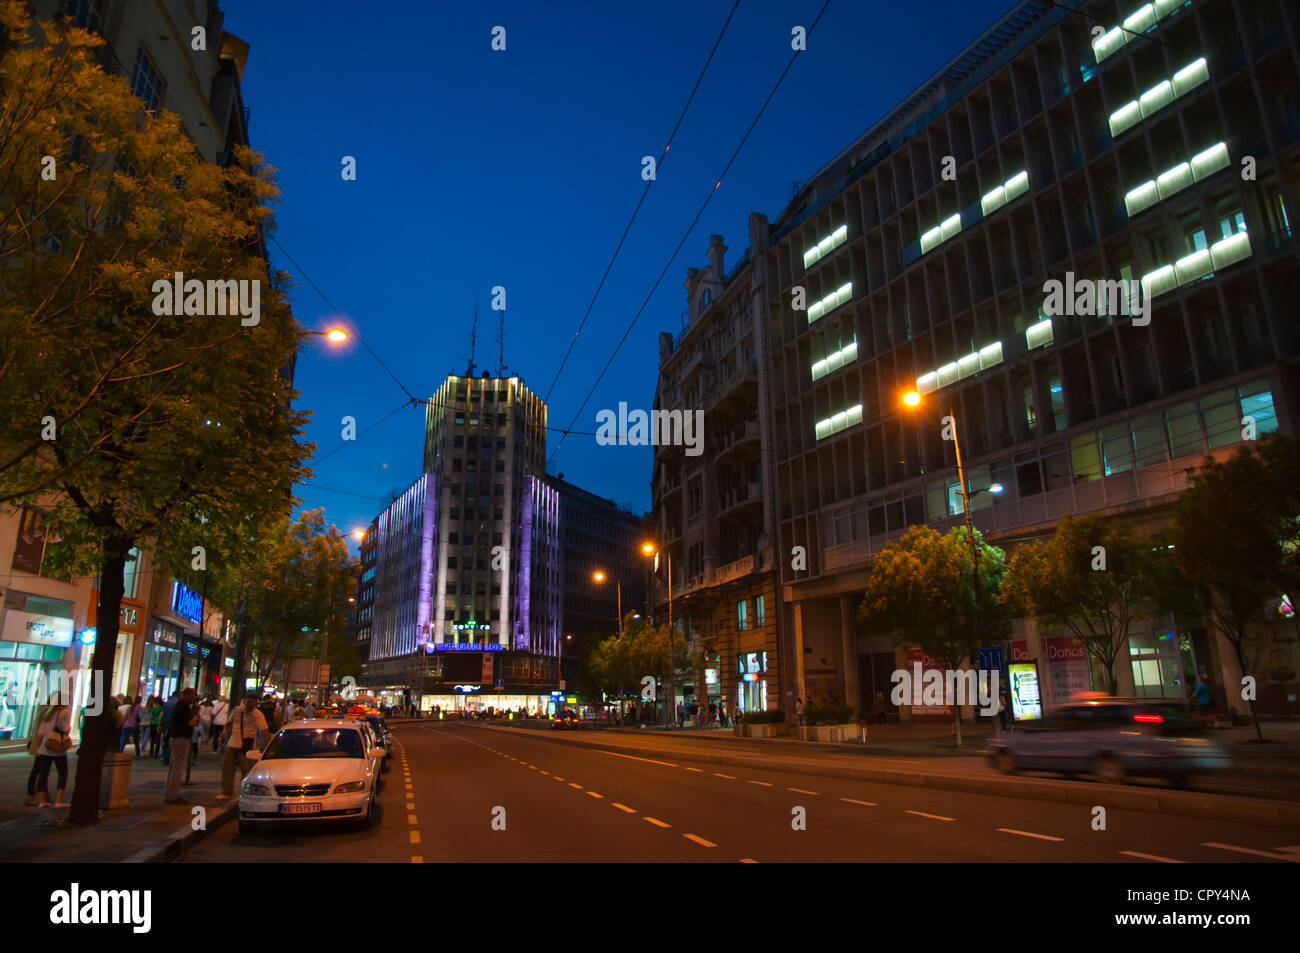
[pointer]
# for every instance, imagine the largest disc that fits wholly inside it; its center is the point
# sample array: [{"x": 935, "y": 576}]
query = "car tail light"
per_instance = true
[{"x": 1150, "y": 719}]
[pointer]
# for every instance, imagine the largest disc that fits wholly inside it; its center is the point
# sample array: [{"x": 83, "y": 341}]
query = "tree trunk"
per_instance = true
[
  {"x": 1238, "y": 648},
  {"x": 237, "y": 687},
  {"x": 956, "y": 721},
  {"x": 84, "y": 808}
]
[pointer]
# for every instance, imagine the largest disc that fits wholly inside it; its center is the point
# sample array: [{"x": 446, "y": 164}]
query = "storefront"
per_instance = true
[
  {"x": 129, "y": 626},
  {"x": 160, "y": 668},
  {"x": 751, "y": 687},
  {"x": 35, "y": 637}
]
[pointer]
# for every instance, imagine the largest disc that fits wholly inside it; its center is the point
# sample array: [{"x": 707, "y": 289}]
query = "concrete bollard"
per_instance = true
[{"x": 115, "y": 781}]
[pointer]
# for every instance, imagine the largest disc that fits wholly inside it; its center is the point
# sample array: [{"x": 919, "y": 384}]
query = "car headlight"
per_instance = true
[
  {"x": 350, "y": 787},
  {"x": 258, "y": 790}
]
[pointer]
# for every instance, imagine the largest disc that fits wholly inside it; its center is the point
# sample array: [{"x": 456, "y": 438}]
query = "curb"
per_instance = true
[
  {"x": 171, "y": 847},
  {"x": 1227, "y": 807}
]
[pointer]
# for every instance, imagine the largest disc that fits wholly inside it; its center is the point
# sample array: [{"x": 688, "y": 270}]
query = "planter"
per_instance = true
[
  {"x": 115, "y": 781},
  {"x": 766, "y": 731},
  {"x": 846, "y": 732}
]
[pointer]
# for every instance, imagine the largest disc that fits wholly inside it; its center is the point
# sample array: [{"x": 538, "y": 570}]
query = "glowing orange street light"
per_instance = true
[
  {"x": 911, "y": 398},
  {"x": 358, "y": 534},
  {"x": 648, "y": 548},
  {"x": 336, "y": 335}
]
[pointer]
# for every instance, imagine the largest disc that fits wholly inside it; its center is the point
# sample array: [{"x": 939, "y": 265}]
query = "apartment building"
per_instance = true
[
  {"x": 1161, "y": 149},
  {"x": 714, "y": 512}
]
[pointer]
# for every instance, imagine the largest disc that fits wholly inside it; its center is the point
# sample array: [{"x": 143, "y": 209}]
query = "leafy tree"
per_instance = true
[
  {"x": 1236, "y": 539},
  {"x": 655, "y": 650},
  {"x": 131, "y": 426},
  {"x": 1094, "y": 577},
  {"x": 922, "y": 587}
]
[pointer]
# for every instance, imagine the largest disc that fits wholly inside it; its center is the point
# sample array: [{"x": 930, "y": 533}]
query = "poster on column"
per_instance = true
[
  {"x": 1067, "y": 667},
  {"x": 927, "y": 663}
]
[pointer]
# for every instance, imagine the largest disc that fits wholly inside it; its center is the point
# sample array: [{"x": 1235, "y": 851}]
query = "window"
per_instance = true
[
  {"x": 1149, "y": 440},
  {"x": 760, "y": 611},
  {"x": 84, "y": 13},
  {"x": 145, "y": 81},
  {"x": 1117, "y": 449},
  {"x": 1222, "y": 425},
  {"x": 1257, "y": 404},
  {"x": 1083, "y": 454},
  {"x": 1184, "y": 429},
  {"x": 742, "y": 615}
]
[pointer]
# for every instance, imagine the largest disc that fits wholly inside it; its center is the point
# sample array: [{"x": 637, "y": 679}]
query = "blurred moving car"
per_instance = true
[
  {"x": 1113, "y": 739},
  {"x": 322, "y": 770},
  {"x": 566, "y": 719}
]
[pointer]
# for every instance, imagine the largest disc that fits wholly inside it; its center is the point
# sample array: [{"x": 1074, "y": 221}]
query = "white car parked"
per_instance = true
[{"x": 325, "y": 770}]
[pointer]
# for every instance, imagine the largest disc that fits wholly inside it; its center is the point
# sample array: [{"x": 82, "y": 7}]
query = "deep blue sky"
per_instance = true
[{"x": 478, "y": 168}]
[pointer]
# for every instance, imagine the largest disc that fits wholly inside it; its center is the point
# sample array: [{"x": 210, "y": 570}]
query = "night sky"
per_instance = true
[{"x": 521, "y": 168}]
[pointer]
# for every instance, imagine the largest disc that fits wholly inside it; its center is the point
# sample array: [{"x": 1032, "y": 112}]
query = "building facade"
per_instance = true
[
  {"x": 465, "y": 597},
  {"x": 714, "y": 510},
  {"x": 1162, "y": 150}
]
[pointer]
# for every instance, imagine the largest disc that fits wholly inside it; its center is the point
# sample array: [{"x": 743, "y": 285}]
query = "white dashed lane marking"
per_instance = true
[
  {"x": 1141, "y": 856},
  {"x": 933, "y": 817},
  {"x": 1011, "y": 830}
]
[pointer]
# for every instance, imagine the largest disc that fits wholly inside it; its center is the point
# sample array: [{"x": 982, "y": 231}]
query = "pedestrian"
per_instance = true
[
  {"x": 169, "y": 706},
  {"x": 695, "y": 714},
  {"x": 116, "y": 717},
  {"x": 240, "y": 736},
  {"x": 131, "y": 721},
  {"x": 51, "y": 737},
  {"x": 309, "y": 710},
  {"x": 220, "y": 712},
  {"x": 267, "y": 708},
  {"x": 1004, "y": 708},
  {"x": 1202, "y": 695},
  {"x": 205, "y": 725},
  {"x": 184, "y": 718},
  {"x": 155, "y": 725},
  {"x": 146, "y": 725},
  {"x": 798, "y": 712},
  {"x": 681, "y": 715}
]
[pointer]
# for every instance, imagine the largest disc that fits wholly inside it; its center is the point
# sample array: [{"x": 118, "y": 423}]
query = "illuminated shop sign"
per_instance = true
[
  {"x": 186, "y": 603},
  {"x": 464, "y": 647}
]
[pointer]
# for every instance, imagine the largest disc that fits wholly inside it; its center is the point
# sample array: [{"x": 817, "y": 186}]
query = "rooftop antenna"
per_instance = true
[{"x": 473, "y": 342}]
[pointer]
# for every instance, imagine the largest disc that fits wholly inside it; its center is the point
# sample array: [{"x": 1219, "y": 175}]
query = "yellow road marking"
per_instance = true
[{"x": 656, "y": 822}]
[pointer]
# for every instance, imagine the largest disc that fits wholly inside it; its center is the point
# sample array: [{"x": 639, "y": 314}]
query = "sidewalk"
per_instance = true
[
  {"x": 1279, "y": 756},
  {"x": 145, "y": 830}
]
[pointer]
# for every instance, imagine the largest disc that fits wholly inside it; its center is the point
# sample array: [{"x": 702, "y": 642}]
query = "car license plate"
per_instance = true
[{"x": 310, "y": 808}]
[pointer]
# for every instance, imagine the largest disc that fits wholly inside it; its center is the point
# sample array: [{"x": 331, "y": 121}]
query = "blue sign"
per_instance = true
[
  {"x": 463, "y": 647},
  {"x": 87, "y": 636},
  {"x": 186, "y": 603},
  {"x": 991, "y": 659}
]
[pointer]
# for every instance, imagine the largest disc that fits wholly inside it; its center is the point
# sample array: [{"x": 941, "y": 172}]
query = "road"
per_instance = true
[{"x": 465, "y": 792}]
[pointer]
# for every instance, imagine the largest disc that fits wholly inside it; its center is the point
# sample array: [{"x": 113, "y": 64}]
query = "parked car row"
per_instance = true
[{"x": 317, "y": 770}]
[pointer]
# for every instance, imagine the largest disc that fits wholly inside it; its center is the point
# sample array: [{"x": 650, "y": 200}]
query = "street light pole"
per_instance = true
[{"x": 970, "y": 531}]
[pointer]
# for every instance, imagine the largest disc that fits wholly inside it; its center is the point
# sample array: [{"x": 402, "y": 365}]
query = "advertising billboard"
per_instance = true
[{"x": 1026, "y": 699}]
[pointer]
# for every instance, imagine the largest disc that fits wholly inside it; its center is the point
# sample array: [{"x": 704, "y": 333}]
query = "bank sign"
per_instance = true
[{"x": 186, "y": 603}]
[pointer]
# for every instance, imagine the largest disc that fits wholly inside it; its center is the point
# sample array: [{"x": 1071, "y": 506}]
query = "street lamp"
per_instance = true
[
  {"x": 913, "y": 399},
  {"x": 649, "y": 549},
  {"x": 599, "y": 577},
  {"x": 333, "y": 335}
]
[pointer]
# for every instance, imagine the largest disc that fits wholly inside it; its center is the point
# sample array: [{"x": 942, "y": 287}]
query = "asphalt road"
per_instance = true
[{"x": 464, "y": 792}]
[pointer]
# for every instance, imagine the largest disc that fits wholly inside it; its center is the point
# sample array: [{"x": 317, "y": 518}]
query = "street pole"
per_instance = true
[
  {"x": 974, "y": 555},
  {"x": 619, "y": 584},
  {"x": 669, "y": 704}
]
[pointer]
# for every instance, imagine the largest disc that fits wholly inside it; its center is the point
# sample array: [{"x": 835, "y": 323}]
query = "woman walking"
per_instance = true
[
  {"x": 131, "y": 722},
  {"x": 51, "y": 738},
  {"x": 155, "y": 725}
]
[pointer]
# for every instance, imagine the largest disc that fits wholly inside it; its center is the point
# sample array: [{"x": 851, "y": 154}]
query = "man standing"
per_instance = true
[
  {"x": 241, "y": 735},
  {"x": 220, "y": 712},
  {"x": 184, "y": 718},
  {"x": 169, "y": 707},
  {"x": 798, "y": 712}
]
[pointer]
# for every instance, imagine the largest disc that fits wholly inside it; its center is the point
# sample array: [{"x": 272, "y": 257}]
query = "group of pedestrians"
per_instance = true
[{"x": 712, "y": 715}]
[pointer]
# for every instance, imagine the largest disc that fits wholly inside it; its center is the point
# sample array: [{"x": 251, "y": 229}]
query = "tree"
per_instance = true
[
  {"x": 142, "y": 422},
  {"x": 922, "y": 587},
  {"x": 1236, "y": 540},
  {"x": 656, "y": 651},
  {"x": 1093, "y": 577}
]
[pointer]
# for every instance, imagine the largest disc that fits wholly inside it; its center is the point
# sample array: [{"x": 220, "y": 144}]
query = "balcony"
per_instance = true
[
  {"x": 733, "y": 570},
  {"x": 742, "y": 436},
  {"x": 741, "y": 384},
  {"x": 736, "y": 499},
  {"x": 669, "y": 487}
]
